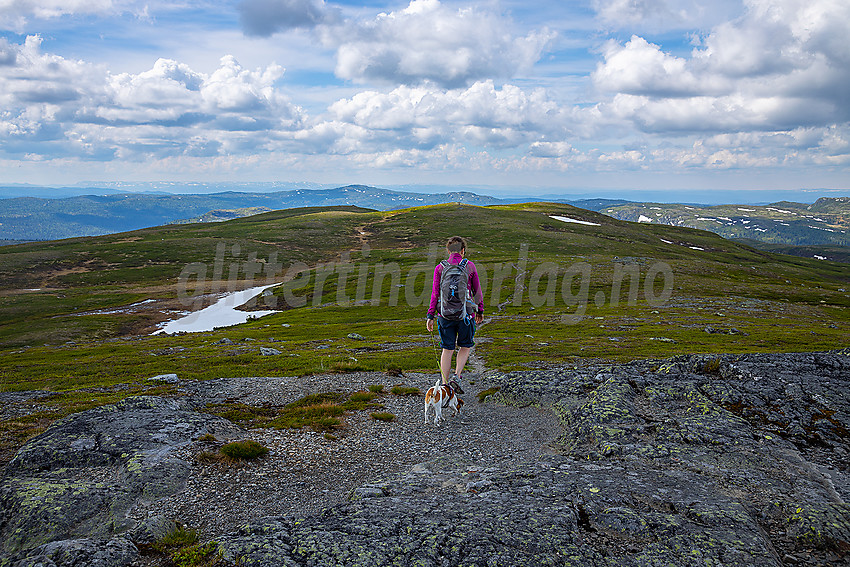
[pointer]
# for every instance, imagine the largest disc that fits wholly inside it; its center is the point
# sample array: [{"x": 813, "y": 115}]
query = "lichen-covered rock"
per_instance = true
[
  {"x": 79, "y": 478},
  {"x": 692, "y": 461},
  {"x": 117, "y": 552}
]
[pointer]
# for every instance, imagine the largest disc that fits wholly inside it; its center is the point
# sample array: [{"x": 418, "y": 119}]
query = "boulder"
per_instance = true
[
  {"x": 165, "y": 378},
  {"x": 117, "y": 552},
  {"x": 80, "y": 478}
]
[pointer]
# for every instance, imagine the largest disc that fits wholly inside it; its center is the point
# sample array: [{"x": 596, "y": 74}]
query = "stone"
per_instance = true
[
  {"x": 152, "y": 529},
  {"x": 266, "y": 351},
  {"x": 81, "y": 477},
  {"x": 165, "y": 378},
  {"x": 355, "y": 336},
  {"x": 117, "y": 552}
]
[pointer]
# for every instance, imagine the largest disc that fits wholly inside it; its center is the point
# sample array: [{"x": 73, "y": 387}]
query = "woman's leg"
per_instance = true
[
  {"x": 462, "y": 357},
  {"x": 446, "y": 364}
]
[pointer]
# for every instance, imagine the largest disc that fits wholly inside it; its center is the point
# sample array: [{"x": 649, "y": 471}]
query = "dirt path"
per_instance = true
[{"x": 306, "y": 473}]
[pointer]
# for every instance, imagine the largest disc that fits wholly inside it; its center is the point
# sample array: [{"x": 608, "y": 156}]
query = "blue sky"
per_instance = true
[{"x": 673, "y": 95}]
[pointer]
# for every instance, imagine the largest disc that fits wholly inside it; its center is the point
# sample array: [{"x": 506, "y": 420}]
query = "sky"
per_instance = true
[{"x": 684, "y": 96}]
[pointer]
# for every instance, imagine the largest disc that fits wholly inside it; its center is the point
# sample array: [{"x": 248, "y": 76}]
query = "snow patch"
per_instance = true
[
  {"x": 576, "y": 221},
  {"x": 642, "y": 218},
  {"x": 222, "y": 313}
]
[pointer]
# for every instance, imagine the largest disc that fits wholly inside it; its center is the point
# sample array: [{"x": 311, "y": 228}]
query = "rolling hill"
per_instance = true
[
  {"x": 823, "y": 223},
  {"x": 563, "y": 286}
]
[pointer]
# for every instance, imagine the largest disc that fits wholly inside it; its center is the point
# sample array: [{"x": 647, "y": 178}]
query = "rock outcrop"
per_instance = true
[
  {"x": 67, "y": 492},
  {"x": 686, "y": 462},
  {"x": 696, "y": 460}
]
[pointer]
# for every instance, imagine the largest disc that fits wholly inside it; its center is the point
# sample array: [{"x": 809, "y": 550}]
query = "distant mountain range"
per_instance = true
[
  {"x": 783, "y": 225},
  {"x": 817, "y": 230},
  {"x": 31, "y": 218}
]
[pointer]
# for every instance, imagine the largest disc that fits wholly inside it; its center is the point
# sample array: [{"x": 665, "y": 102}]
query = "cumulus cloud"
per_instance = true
[
  {"x": 430, "y": 42},
  {"x": 168, "y": 109},
  {"x": 266, "y": 17},
  {"x": 481, "y": 115},
  {"x": 782, "y": 64},
  {"x": 425, "y": 42}
]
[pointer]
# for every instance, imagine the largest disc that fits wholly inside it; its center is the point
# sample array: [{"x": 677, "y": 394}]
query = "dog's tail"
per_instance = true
[{"x": 429, "y": 395}]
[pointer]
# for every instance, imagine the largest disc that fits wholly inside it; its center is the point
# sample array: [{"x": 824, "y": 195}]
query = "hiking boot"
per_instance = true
[{"x": 455, "y": 386}]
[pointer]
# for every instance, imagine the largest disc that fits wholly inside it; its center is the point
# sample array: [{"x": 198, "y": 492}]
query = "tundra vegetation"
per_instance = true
[{"x": 76, "y": 315}]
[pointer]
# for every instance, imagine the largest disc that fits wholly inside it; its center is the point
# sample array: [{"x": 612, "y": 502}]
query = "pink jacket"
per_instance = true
[{"x": 474, "y": 285}]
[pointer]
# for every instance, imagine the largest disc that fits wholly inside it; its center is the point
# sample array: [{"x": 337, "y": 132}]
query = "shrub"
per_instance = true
[
  {"x": 243, "y": 450},
  {"x": 376, "y": 388},
  {"x": 382, "y": 416},
  {"x": 208, "y": 438}
]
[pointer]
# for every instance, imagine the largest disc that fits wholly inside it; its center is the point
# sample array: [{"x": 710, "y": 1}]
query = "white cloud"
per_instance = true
[
  {"x": 481, "y": 115},
  {"x": 168, "y": 109},
  {"x": 783, "y": 64},
  {"x": 428, "y": 41}
]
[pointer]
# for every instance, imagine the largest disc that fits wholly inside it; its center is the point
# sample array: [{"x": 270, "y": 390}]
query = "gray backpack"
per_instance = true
[{"x": 454, "y": 291}]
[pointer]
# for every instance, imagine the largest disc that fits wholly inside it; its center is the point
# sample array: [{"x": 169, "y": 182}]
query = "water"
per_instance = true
[{"x": 222, "y": 313}]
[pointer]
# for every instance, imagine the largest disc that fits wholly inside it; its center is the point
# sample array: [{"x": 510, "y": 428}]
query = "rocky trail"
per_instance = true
[{"x": 697, "y": 460}]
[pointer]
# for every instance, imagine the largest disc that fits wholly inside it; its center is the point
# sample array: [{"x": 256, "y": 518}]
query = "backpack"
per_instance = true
[{"x": 454, "y": 290}]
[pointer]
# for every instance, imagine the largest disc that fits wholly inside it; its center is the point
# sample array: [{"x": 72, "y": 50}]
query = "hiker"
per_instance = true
[{"x": 458, "y": 303}]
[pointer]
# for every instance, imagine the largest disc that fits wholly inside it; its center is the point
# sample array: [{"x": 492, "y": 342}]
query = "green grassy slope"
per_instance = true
[{"x": 65, "y": 327}]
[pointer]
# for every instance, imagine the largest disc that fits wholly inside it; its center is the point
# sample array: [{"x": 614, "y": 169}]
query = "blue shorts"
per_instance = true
[{"x": 461, "y": 332}]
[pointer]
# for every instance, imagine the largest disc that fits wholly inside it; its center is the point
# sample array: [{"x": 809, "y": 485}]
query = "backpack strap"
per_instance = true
[{"x": 462, "y": 263}]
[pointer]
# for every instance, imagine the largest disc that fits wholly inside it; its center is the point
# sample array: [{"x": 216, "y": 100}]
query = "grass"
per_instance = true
[
  {"x": 244, "y": 450},
  {"x": 199, "y": 555},
  {"x": 182, "y": 548},
  {"x": 322, "y": 412},
  {"x": 405, "y": 391},
  {"x": 778, "y": 303},
  {"x": 179, "y": 538},
  {"x": 382, "y": 416}
]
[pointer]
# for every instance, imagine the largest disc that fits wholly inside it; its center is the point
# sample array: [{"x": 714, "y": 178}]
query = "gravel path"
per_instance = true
[{"x": 305, "y": 473}]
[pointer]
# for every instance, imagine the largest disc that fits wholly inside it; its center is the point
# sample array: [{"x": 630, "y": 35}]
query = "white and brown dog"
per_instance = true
[{"x": 441, "y": 396}]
